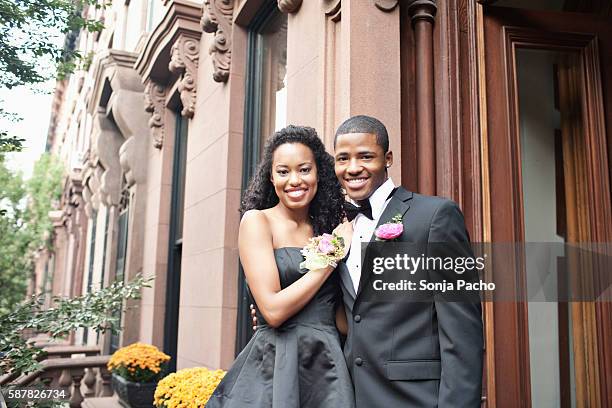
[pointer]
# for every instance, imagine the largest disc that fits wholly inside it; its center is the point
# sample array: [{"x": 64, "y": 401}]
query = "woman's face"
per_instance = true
[{"x": 294, "y": 175}]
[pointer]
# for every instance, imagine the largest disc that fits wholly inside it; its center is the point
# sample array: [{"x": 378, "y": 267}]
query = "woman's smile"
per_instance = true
[{"x": 296, "y": 193}]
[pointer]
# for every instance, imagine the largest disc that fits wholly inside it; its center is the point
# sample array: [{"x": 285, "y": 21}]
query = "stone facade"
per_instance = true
[{"x": 161, "y": 66}]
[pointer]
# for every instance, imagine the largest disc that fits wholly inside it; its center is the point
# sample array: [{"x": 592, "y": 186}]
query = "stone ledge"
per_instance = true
[{"x": 101, "y": 402}]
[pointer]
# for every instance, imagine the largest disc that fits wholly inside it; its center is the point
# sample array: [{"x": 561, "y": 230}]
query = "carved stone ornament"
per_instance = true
[
  {"x": 217, "y": 19},
  {"x": 184, "y": 61},
  {"x": 386, "y": 5},
  {"x": 155, "y": 97},
  {"x": 289, "y": 6},
  {"x": 332, "y": 9}
]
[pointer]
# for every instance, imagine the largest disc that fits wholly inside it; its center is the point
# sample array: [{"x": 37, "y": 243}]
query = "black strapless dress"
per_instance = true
[{"x": 298, "y": 365}]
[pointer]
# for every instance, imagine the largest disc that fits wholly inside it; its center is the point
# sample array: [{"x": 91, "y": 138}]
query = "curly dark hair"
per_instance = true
[{"x": 326, "y": 210}]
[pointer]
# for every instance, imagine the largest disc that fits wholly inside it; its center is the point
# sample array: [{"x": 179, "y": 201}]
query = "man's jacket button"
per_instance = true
[
  {"x": 358, "y": 361},
  {"x": 357, "y": 318}
]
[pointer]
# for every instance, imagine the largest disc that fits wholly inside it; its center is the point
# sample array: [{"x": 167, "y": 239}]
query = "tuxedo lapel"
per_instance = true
[
  {"x": 345, "y": 277},
  {"x": 399, "y": 204}
]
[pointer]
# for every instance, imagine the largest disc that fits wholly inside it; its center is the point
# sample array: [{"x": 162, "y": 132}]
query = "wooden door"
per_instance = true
[{"x": 586, "y": 39}]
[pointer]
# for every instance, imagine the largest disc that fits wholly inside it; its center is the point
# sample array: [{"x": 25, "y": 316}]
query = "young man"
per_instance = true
[{"x": 402, "y": 354}]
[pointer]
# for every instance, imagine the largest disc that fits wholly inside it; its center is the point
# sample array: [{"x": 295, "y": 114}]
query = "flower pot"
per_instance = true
[{"x": 133, "y": 394}]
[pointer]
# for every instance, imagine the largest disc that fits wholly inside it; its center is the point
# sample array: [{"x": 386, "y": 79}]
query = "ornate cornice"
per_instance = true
[
  {"x": 155, "y": 103},
  {"x": 217, "y": 19},
  {"x": 182, "y": 18},
  {"x": 289, "y": 6},
  {"x": 184, "y": 62},
  {"x": 115, "y": 68},
  {"x": 171, "y": 54}
]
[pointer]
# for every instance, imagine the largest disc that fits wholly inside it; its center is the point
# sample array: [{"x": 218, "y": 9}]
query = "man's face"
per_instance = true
[{"x": 361, "y": 164}]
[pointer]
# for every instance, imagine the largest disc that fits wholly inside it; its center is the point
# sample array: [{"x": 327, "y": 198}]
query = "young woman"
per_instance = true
[{"x": 294, "y": 360}]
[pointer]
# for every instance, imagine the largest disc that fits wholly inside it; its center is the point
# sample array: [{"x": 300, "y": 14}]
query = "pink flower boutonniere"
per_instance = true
[{"x": 390, "y": 230}]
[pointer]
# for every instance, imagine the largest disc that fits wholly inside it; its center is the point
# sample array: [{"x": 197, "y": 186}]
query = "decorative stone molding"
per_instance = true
[
  {"x": 91, "y": 185},
  {"x": 108, "y": 142},
  {"x": 116, "y": 107},
  {"x": 118, "y": 93},
  {"x": 155, "y": 103},
  {"x": 217, "y": 19},
  {"x": 332, "y": 8},
  {"x": 113, "y": 70},
  {"x": 87, "y": 199},
  {"x": 57, "y": 218},
  {"x": 171, "y": 55},
  {"x": 184, "y": 62},
  {"x": 71, "y": 201},
  {"x": 182, "y": 18},
  {"x": 386, "y": 5},
  {"x": 289, "y": 6}
]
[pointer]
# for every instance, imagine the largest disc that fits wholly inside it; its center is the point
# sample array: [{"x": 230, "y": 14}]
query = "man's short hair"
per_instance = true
[{"x": 365, "y": 124}]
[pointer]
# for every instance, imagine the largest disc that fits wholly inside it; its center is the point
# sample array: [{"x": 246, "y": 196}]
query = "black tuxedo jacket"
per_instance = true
[{"x": 415, "y": 354}]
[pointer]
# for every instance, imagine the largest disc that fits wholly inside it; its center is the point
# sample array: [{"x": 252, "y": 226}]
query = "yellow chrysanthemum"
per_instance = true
[
  {"x": 137, "y": 357},
  {"x": 187, "y": 388}
]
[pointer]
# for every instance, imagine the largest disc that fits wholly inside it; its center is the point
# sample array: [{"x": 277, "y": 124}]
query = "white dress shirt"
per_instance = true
[{"x": 363, "y": 228}]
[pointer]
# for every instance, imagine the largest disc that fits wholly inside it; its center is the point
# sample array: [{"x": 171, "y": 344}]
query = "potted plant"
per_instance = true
[
  {"x": 136, "y": 369},
  {"x": 187, "y": 388}
]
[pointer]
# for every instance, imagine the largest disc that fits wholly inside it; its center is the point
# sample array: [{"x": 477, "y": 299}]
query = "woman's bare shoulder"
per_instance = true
[{"x": 255, "y": 223}]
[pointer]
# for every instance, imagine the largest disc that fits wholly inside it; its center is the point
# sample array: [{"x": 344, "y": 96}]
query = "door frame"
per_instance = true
[{"x": 504, "y": 30}]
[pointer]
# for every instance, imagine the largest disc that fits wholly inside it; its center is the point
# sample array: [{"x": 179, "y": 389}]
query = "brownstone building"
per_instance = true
[{"x": 504, "y": 106}]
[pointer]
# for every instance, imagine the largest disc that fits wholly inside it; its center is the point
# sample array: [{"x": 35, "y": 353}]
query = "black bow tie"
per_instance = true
[
  {"x": 366, "y": 209},
  {"x": 352, "y": 210}
]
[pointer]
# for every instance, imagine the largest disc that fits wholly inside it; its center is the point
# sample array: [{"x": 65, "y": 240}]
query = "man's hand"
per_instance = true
[
  {"x": 345, "y": 230},
  {"x": 253, "y": 316}
]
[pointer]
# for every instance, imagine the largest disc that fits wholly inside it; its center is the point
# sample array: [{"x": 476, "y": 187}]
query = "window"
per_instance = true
[
  {"x": 173, "y": 286},
  {"x": 122, "y": 246},
  {"x": 92, "y": 249}
]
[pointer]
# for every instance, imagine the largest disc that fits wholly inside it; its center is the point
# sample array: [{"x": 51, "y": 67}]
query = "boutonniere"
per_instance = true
[{"x": 390, "y": 230}]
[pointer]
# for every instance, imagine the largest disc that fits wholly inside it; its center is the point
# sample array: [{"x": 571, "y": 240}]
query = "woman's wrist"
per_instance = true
[{"x": 326, "y": 270}]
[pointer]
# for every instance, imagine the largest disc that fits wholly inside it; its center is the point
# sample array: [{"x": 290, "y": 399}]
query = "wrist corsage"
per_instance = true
[{"x": 324, "y": 250}]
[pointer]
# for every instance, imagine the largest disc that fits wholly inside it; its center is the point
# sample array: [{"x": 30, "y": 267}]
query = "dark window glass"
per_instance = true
[{"x": 175, "y": 249}]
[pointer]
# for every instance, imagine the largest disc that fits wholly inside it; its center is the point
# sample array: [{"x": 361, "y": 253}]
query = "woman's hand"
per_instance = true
[{"x": 345, "y": 230}]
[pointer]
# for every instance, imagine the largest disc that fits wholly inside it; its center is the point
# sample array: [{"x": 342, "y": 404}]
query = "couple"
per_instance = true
[{"x": 410, "y": 354}]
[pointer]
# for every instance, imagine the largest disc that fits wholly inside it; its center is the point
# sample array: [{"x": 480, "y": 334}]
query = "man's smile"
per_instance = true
[{"x": 356, "y": 182}]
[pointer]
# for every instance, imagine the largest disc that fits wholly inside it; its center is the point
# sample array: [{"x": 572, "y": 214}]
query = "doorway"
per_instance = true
[{"x": 548, "y": 103}]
